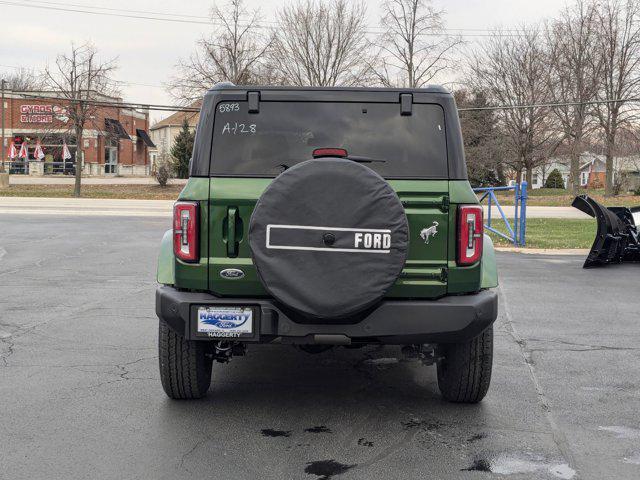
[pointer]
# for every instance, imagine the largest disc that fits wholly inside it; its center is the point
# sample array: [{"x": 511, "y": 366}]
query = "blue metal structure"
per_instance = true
[{"x": 516, "y": 234}]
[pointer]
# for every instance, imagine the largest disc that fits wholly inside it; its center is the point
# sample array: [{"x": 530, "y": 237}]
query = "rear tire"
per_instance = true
[
  {"x": 185, "y": 369},
  {"x": 464, "y": 374}
]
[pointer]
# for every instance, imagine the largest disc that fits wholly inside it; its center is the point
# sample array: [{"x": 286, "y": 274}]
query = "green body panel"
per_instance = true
[
  {"x": 196, "y": 188},
  {"x": 226, "y": 205},
  {"x": 166, "y": 260},
  {"x": 461, "y": 192},
  {"x": 229, "y": 248},
  {"x": 231, "y": 203},
  {"x": 489, "y": 265},
  {"x": 425, "y": 202}
]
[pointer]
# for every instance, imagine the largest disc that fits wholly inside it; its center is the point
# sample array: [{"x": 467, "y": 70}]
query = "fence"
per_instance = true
[
  {"x": 517, "y": 233},
  {"x": 49, "y": 168}
]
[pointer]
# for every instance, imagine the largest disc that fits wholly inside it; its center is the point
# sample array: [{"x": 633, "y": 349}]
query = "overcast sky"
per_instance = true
[{"x": 147, "y": 50}]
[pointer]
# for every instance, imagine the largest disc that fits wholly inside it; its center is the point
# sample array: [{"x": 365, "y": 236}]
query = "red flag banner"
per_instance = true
[
  {"x": 24, "y": 151},
  {"x": 12, "y": 151},
  {"x": 38, "y": 152},
  {"x": 66, "y": 154}
]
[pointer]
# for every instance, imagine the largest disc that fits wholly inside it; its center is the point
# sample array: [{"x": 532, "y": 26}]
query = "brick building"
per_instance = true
[{"x": 115, "y": 140}]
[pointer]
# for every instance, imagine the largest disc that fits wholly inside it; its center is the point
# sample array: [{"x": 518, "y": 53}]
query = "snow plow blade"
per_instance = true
[{"x": 617, "y": 237}]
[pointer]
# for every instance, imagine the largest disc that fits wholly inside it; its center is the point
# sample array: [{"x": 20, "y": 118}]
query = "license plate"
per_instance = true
[{"x": 229, "y": 322}]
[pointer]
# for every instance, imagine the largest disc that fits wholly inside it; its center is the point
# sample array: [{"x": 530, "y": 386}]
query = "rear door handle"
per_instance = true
[{"x": 232, "y": 243}]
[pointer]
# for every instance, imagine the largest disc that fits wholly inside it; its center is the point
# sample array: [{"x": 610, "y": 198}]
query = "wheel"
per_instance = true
[
  {"x": 185, "y": 368},
  {"x": 464, "y": 374}
]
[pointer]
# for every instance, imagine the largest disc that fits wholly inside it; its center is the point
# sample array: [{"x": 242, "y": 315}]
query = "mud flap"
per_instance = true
[{"x": 616, "y": 239}]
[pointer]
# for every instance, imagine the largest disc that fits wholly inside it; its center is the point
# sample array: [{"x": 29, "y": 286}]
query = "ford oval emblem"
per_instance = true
[{"x": 232, "y": 273}]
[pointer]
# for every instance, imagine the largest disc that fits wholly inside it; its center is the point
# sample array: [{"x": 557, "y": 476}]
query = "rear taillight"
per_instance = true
[
  {"x": 470, "y": 234},
  {"x": 185, "y": 231}
]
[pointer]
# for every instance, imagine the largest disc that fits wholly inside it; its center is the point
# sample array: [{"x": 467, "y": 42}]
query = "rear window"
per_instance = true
[{"x": 283, "y": 134}]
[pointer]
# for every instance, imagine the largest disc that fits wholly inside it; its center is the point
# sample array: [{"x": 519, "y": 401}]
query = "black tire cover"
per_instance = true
[{"x": 328, "y": 237}]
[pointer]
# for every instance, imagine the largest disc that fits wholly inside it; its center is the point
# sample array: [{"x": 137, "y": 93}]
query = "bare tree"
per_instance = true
[
  {"x": 234, "y": 52},
  {"x": 414, "y": 47},
  {"x": 81, "y": 78},
  {"x": 513, "y": 70},
  {"x": 575, "y": 76},
  {"x": 322, "y": 43},
  {"x": 23, "y": 80},
  {"x": 619, "y": 45}
]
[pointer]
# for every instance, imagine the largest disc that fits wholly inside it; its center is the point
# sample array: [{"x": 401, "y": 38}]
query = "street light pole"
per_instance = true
[{"x": 3, "y": 82}]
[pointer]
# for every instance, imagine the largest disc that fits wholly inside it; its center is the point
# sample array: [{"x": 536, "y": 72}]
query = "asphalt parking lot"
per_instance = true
[{"x": 80, "y": 395}]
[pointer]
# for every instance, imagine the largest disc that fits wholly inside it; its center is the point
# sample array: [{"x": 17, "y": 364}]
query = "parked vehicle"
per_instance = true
[{"x": 322, "y": 217}]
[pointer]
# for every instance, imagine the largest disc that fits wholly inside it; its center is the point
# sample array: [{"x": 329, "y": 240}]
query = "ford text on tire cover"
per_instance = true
[{"x": 321, "y": 218}]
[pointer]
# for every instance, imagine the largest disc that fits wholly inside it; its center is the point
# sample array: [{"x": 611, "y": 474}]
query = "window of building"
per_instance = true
[
  {"x": 584, "y": 178},
  {"x": 111, "y": 154}
]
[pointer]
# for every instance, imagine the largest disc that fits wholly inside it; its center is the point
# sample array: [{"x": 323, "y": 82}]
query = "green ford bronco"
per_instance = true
[{"x": 322, "y": 217}]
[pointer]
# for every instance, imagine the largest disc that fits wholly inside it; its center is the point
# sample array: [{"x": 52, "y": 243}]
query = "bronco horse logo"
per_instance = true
[{"x": 429, "y": 232}]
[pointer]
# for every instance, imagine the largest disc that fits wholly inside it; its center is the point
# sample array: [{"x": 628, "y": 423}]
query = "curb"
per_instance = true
[{"x": 545, "y": 251}]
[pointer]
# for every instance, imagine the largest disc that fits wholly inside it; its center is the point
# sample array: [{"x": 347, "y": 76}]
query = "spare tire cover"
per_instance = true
[{"x": 328, "y": 237}]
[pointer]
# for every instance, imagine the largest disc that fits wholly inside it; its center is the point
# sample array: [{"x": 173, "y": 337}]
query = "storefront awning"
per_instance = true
[
  {"x": 145, "y": 138},
  {"x": 115, "y": 128}
]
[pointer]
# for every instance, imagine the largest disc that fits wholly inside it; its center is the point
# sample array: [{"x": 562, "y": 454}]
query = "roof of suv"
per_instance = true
[{"x": 426, "y": 89}]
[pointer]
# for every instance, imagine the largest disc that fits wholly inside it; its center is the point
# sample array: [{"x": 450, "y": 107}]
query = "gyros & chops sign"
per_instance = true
[{"x": 42, "y": 113}]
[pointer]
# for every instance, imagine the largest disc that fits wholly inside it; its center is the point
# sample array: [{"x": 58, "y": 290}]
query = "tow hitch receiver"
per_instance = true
[{"x": 617, "y": 239}]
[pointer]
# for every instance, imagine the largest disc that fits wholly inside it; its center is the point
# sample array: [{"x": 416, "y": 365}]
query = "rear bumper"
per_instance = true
[{"x": 448, "y": 319}]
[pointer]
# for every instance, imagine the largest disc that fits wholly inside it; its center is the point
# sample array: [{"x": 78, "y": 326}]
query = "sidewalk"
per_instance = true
[
  {"x": 70, "y": 180},
  {"x": 536, "y": 212},
  {"x": 545, "y": 251},
  {"x": 162, "y": 208},
  {"x": 85, "y": 206}
]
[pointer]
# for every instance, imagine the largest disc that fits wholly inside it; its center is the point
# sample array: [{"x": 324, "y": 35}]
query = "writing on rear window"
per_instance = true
[
  {"x": 235, "y": 128},
  {"x": 229, "y": 107}
]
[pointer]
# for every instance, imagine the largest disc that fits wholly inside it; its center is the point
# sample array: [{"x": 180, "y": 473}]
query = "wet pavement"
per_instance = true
[{"x": 80, "y": 395}]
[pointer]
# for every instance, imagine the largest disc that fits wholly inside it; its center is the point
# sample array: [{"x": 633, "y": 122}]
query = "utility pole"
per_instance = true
[{"x": 3, "y": 82}]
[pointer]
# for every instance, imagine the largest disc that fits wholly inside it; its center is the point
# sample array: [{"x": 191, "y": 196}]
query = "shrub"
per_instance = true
[
  {"x": 163, "y": 172},
  {"x": 554, "y": 180}
]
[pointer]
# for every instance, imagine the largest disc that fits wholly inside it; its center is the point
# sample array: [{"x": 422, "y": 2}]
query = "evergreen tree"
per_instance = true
[
  {"x": 481, "y": 139},
  {"x": 182, "y": 149},
  {"x": 554, "y": 180}
]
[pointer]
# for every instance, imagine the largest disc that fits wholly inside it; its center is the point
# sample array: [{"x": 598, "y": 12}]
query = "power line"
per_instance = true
[
  {"x": 121, "y": 105},
  {"x": 203, "y": 17},
  {"x": 96, "y": 7},
  {"x": 160, "y": 107},
  {"x": 551, "y": 104},
  {"x": 193, "y": 19},
  {"x": 126, "y": 82},
  {"x": 108, "y": 14}
]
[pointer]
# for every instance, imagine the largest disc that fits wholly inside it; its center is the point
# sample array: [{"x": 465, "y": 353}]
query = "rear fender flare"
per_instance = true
[
  {"x": 488, "y": 264},
  {"x": 166, "y": 260}
]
